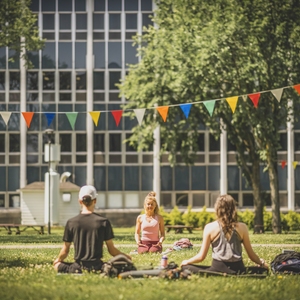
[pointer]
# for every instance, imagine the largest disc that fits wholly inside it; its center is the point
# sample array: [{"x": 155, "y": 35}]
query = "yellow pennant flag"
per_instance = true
[
  {"x": 95, "y": 116},
  {"x": 232, "y": 101},
  {"x": 295, "y": 163},
  {"x": 163, "y": 111}
]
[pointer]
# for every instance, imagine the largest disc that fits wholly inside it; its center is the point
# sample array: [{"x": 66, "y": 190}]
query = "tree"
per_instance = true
[
  {"x": 200, "y": 51},
  {"x": 17, "y": 21}
]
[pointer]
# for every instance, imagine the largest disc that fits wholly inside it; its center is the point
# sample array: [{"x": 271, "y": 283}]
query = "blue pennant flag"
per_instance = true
[
  {"x": 50, "y": 117},
  {"x": 186, "y": 109}
]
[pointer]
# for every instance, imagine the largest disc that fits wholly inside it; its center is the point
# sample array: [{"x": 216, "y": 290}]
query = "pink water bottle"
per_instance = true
[{"x": 164, "y": 262}]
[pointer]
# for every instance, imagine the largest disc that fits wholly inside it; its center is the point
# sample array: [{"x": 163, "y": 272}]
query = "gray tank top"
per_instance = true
[{"x": 227, "y": 250}]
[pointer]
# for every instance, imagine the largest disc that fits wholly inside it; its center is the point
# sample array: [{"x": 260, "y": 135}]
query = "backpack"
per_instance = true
[
  {"x": 116, "y": 265},
  {"x": 287, "y": 263}
]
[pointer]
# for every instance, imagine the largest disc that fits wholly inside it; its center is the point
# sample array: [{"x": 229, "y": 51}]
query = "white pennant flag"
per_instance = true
[
  {"x": 140, "y": 114},
  {"x": 6, "y": 116},
  {"x": 277, "y": 94}
]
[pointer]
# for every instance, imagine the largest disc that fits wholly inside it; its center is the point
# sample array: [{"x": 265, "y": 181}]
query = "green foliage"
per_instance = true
[
  {"x": 267, "y": 220},
  {"x": 247, "y": 217},
  {"x": 16, "y": 21},
  {"x": 292, "y": 220},
  {"x": 205, "y": 217},
  {"x": 199, "y": 52},
  {"x": 190, "y": 218},
  {"x": 176, "y": 217},
  {"x": 165, "y": 215}
]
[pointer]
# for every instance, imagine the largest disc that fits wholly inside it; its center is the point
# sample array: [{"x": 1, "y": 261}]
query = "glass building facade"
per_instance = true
[{"x": 87, "y": 51}]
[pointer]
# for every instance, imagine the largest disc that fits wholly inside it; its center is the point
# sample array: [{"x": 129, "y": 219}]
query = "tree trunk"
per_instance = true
[
  {"x": 273, "y": 175},
  {"x": 258, "y": 203}
]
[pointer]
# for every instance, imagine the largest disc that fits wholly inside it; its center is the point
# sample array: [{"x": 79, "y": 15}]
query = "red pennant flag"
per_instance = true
[
  {"x": 254, "y": 98},
  {"x": 297, "y": 88},
  {"x": 28, "y": 117},
  {"x": 117, "y": 114},
  {"x": 283, "y": 163}
]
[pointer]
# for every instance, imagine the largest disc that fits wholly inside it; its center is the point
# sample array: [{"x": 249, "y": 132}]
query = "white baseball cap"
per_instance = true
[{"x": 88, "y": 190}]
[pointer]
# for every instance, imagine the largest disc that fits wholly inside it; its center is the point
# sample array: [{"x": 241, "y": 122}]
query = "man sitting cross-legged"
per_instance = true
[{"x": 87, "y": 231}]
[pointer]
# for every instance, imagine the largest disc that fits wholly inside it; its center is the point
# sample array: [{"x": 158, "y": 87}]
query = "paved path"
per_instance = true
[{"x": 54, "y": 246}]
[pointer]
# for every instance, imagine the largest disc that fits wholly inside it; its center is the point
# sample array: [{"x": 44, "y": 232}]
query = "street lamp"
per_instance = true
[{"x": 49, "y": 133}]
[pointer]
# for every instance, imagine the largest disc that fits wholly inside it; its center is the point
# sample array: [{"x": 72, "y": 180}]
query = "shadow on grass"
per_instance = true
[{"x": 18, "y": 263}]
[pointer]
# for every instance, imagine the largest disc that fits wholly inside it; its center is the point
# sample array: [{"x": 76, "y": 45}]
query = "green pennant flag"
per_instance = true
[
  {"x": 210, "y": 106},
  {"x": 72, "y": 116}
]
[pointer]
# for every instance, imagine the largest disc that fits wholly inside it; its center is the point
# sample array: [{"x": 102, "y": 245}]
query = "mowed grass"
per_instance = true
[{"x": 27, "y": 273}]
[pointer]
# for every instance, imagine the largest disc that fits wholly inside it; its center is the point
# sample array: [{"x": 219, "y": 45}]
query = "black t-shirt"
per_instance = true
[{"x": 88, "y": 232}]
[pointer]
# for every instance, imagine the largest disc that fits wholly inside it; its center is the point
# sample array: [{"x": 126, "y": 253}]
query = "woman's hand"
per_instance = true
[{"x": 184, "y": 263}]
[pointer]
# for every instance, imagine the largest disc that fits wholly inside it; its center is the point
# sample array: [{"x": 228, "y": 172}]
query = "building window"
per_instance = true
[
  {"x": 182, "y": 200},
  {"x": 65, "y": 55},
  {"x": 115, "y": 142}
]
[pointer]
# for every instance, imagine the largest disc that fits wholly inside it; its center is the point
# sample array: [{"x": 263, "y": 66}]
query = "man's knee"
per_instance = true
[{"x": 72, "y": 268}]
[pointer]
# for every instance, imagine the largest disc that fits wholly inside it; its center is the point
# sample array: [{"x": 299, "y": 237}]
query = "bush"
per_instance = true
[
  {"x": 190, "y": 218},
  {"x": 267, "y": 220},
  {"x": 291, "y": 220},
  {"x": 165, "y": 215},
  {"x": 176, "y": 217},
  {"x": 205, "y": 217},
  {"x": 247, "y": 217}
]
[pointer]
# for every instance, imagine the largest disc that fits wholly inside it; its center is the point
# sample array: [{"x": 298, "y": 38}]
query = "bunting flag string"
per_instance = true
[
  {"x": 95, "y": 116},
  {"x": 28, "y": 117},
  {"x": 162, "y": 110},
  {"x": 50, "y": 116},
  {"x": 72, "y": 117}
]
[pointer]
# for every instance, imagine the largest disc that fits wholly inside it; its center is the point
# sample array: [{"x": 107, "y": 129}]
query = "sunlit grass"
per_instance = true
[{"x": 27, "y": 273}]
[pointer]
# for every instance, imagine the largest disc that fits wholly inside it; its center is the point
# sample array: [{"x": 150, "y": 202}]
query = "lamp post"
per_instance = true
[{"x": 49, "y": 132}]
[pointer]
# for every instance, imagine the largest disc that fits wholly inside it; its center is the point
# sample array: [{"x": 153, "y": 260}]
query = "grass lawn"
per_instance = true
[{"x": 27, "y": 273}]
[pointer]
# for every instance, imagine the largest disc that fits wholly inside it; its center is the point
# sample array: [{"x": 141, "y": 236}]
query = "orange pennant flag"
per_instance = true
[
  {"x": 95, "y": 116},
  {"x": 283, "y": 163},
  {"x": 297, "y": 88},
  {"x": 232, "y": 101},
  {"x": 295, "y": 163},
  {"x": 28, "y": 117},
  {"x": 163, "y": 111},
  {"x": 254, "y": 98},
  {"x": 117, "y": 114}
]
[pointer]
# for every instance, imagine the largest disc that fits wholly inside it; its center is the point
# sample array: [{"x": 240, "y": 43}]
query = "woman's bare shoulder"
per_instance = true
[
  {"x": 212, "y": 225},
  {"x": 139, "y": 217}
]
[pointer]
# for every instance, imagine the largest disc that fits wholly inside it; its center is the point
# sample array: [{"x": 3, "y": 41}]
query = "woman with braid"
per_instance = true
[{"x": 226, "y": 236}]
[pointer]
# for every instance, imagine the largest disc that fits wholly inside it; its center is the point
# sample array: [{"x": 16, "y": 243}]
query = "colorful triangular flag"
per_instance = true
[
  {"x": 283, "y": 163},
  {"x": 5, "y": 116},
  {"x": 254, "y": 98},
  {"x": 139, "y": 113},
  {"x": 297, "y": 88},
  {"x": 163, "y": 111},
  {"x": 72, "y": 116},
  {"x": 28, "y": 117},
  {"x": 210, "y": 106},
  {"x": 117, "y": 114},
  {"x": 232, "y": 101},
  {"x": 95, "y": 116},
  {"x": 50, "y": 117},
  {"x": 244, "y": 97},
  {"x": 295, "y": 163},
  {"x": 277, "y": 94},
  {"x": 186, "y": 108}
]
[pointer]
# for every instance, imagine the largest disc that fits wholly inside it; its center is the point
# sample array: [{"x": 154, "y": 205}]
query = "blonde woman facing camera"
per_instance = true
[
  {"x": 226, "y": 236},
  {"x": 150, "y": 229}
]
